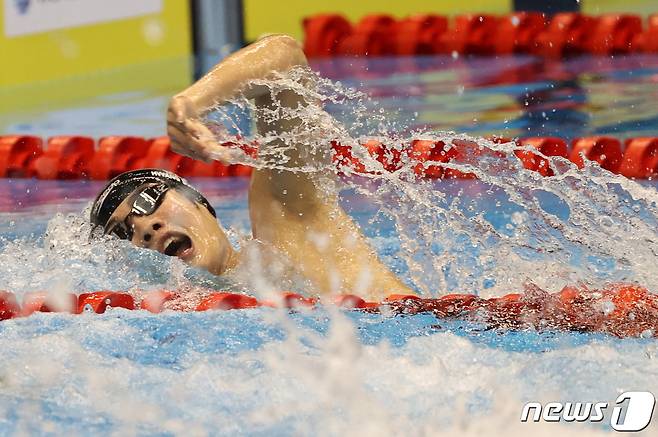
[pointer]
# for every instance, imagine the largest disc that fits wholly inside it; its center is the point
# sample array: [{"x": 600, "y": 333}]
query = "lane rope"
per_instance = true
[
  {"x": 78, "y": 157},
  {"x": 622, "y": 310},
  {"x": 564, "y": 34}
]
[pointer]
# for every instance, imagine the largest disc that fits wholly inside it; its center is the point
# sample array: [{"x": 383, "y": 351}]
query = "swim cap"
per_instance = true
[{"x": 119, "y": 188}]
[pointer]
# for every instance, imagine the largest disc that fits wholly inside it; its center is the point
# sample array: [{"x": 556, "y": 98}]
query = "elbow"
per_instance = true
[{"x": 288, "y": 47}]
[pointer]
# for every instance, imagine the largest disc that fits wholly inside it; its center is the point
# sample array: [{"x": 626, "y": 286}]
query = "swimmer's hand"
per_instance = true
[{"x": 190, "y": 137}]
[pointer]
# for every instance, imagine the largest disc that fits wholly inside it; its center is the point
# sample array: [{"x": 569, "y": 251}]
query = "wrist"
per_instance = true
[{"x": 186, "y": 104}]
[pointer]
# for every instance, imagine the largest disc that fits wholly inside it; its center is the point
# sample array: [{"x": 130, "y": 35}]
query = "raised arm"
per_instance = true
[
  {"x": 272, "y": 54},
  {"x": 288, "y": 210}
]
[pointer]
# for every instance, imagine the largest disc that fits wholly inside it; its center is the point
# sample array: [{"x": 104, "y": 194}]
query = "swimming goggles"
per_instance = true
[{"x": 147, "y": 200}]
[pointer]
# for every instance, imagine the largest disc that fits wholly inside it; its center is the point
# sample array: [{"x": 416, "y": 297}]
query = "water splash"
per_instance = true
[
  {"x": 326, "y": 372},
  {"x": 581, "y": 225}
]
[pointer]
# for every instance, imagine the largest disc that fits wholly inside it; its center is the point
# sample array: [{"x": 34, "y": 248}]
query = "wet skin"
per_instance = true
[
  {"x": 289, "y": 213},
  {"x": 182, "y": 228}
]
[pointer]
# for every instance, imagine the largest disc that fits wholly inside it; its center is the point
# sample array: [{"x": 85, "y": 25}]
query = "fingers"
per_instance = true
[
  {"x": 176, "y": 113},
  {"x": 185, "y": 135},
  {"x": 183, "y": 149},
  {"x": 204, "y": 147},
  {"x": 180, "y": 108},
  {"x": 223, "y": 154},
  {"x": 190, "y": 137},
  {"x": 198, "y": 129},
  {"x": 186, "y": 144}
]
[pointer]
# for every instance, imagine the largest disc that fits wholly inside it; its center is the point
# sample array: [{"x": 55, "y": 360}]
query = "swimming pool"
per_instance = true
[{"x": 265, "y": 371}]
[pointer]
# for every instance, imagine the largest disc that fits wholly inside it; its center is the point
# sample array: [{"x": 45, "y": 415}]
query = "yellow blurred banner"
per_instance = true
[
  {"x": 65, "y": 50},
  {"x": 286, "y": 16},
  {"x": 642, "y": 7}
]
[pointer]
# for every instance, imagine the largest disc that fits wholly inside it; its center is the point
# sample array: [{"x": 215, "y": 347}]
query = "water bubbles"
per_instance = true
[
  {"x": 607, "y": 307},
  {"x": 588, "y": 243},
  {"x": 518, "y": 218},
  {"x": 606, "y": 221},
  {"x": 424, "y": 213}
]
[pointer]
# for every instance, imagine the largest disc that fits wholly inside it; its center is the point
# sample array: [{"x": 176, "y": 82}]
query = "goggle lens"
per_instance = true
[{"x": 146, "y": 203}]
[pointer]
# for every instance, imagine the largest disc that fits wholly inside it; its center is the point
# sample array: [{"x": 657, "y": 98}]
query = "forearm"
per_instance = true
[{"x": 272, "y": 54}]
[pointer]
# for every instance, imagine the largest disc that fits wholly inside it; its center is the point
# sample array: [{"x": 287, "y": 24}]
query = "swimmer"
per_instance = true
[{"x": 299, "y": 228}]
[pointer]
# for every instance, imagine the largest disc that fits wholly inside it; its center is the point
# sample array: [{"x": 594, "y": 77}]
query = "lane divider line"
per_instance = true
[
  {"x": 565, "y": 34},
  {"x": 622, "y": 310}
]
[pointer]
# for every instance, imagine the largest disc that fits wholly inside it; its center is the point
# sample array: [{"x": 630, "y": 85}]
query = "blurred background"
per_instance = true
[{"x": 91, "y": 67}]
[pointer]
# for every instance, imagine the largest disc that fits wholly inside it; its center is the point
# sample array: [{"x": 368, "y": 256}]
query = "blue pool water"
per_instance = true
[
  {"x": 511, "y": 96},
  {"x": 327, "y": 372}
]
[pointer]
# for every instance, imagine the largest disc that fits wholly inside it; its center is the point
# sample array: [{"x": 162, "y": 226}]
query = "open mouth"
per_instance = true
[{"x": 178, "y": 246}]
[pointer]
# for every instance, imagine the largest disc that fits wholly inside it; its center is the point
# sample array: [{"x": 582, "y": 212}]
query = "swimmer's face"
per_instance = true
[{"x": 178, "y": 227}]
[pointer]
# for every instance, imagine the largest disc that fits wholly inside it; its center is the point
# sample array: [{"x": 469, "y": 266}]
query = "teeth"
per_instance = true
[{"x": 167, "y": 242}]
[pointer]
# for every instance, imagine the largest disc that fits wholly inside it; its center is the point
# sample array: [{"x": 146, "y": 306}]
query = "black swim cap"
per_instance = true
[{"x": 119, "y": 188}]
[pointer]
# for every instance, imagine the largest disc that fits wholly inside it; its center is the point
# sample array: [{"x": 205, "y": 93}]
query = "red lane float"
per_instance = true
[
  {"x": 373, "y": 36},
  {"x": 154, "y": 301},
  {"x": 9, "y": 307},
  {"x": 647, "y": 41},
  {"x": 517, "y": 32},
  {"x": 623, "y": 310},
  {"x": 352, "y": 301},
  {"x": 388, "y": 157},
  {"x": 66, "y": 157},
  {"x": 567, "y": 33},
  {"x": 17, "y": 155},
  {"x": 116, "y": 155},
  {"x": 426, "y": 153},
  {"x": 73, "y": 157},
  {"x": 604, "y": 150},
  {"x": 291, "y": 300},
  {"x": 160, "y": 155},
  {"x": 458, "y": 152},
  {"x": 467, "y": 152},
  {"x": 344, "y": 159},
  {"x": 416, "y": 35},
  {"x": 294, "y": 300},
  {"x": 323, "y": 34},
  {"x": 640, "y": 160},
  {"x": 614, "y": 34},
  {"x": 100, "y": 300},
  {"x": 548, "y": 146},
  {"x": 471, "y": 34},
  {"x": 227, "y": 301},
  {"x": 43, "y": 302}
]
